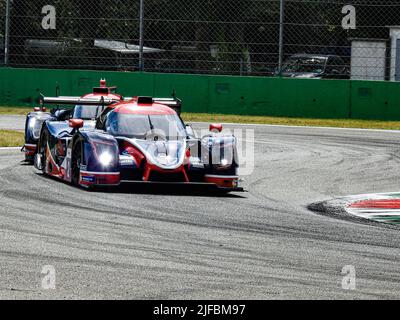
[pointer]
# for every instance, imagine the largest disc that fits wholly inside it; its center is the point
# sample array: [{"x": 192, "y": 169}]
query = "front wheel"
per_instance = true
[
  {"x": 76, "y": 162},
  {"x": 42, "y": 149}
]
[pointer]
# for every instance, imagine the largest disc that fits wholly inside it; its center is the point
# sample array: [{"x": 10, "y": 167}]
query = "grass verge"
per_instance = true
[
  {"x": 335, "y": 123},
  {"x": 205, "y": 117},
  {"x": 14, "y": 110},
  {"x": 11, "y": 138}
]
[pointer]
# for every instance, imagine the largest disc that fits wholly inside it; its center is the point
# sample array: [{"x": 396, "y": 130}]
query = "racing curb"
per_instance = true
[{"x": 342, "y": 208}]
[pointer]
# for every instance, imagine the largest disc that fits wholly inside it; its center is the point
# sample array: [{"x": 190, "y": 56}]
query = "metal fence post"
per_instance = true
[
  {"x": 7, "y": 33},
  {"x": 141, "y": 36},
  {"x": 281, "y": 31}
]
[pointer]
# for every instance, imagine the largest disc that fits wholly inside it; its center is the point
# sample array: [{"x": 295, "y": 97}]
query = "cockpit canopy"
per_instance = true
[
  {"x": 86, "y": 112},
  {"x": 145, "y": 126}
]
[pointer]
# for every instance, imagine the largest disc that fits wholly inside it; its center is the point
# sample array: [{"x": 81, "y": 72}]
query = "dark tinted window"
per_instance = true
[{"x": 86, "y": 112}]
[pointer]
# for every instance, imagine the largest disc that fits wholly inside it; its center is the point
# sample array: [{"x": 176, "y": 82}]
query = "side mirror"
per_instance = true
[
  {"x": 76, "y": 123},
  {"x": 215, "y": 127}
]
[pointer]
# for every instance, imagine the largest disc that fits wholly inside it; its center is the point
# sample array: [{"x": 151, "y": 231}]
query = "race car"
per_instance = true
[
  {"x": 136, "y": 141},
  {"x": 87, "y": 108}
]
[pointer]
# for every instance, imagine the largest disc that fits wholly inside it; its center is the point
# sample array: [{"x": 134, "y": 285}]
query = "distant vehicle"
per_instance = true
[{"x": 312, "y": 66}]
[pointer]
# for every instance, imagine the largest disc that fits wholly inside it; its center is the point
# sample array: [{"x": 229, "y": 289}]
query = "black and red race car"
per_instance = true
[
  {"x": 141, "y": 140},
  {"x": 87, "y": 108}
]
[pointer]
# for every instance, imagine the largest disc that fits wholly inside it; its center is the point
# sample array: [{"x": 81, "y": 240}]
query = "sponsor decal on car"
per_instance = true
[{"x": 90, "y": 179}]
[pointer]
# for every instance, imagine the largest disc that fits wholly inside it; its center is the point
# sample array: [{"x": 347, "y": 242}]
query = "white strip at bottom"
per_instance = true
[{"x": 10, "y": 148}]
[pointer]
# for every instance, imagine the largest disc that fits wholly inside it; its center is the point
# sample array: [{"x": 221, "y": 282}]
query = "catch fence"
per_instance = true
[{"x": 357, "y": 39}]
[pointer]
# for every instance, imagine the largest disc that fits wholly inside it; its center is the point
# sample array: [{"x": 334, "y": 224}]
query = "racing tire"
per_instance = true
[
  {"x": 76, "y": 161},
  {"x": 42, "y": 147}
]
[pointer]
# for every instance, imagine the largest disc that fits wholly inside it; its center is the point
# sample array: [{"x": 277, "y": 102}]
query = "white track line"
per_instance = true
[
  {"x": 10, "y": 148},
  {"x": 298, "y": 127}
]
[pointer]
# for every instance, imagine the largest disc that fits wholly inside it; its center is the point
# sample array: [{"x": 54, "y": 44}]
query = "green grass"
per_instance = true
[
  {"x": 14, "y": 110},
  {"x": 336, "y": 123},
  {"x": 11, "y": 138},
  {"x": 203, "y": 117}
]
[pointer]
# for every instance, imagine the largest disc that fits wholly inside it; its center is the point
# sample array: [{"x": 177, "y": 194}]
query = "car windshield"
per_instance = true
[
  {"x": 166, "y": 127},
  {"x": 86, "y": 112},
  {"x": 304, "y": 64}
]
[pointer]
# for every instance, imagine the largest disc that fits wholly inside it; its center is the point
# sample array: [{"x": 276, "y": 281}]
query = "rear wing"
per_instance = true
[
  {"x": 173, "y": 103},
  {"x": 105, "y": 101}
]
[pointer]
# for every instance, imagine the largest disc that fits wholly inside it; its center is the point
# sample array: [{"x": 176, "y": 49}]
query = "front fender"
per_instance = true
[
  {"x": 100, "y": 152},
  {"x": 219, "y": 154},
  {"x": 33, "y": 125}
]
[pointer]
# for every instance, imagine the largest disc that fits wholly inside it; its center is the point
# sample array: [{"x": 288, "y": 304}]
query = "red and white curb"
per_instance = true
[
  {"x": 384, "y": 207},
  {"x": 378, "y": 207}
]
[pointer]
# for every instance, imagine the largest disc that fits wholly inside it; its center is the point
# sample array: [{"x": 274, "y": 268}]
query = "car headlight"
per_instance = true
[
  {"x": 225, "y": 162},
  {"x": 105, "y": 159}
]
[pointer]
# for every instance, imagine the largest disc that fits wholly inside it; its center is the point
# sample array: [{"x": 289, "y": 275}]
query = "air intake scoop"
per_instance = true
[{"x": 144, "y": 100}]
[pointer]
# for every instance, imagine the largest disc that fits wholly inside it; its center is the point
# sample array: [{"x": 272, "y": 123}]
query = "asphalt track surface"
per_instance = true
[
  {"x": 10, "y": 122},
  {"x": 185, "y": 244}
]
